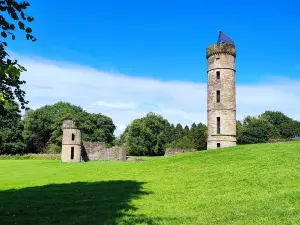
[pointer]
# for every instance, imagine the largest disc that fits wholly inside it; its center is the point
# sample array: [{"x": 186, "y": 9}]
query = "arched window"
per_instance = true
[{"x": 73, "y": 137}]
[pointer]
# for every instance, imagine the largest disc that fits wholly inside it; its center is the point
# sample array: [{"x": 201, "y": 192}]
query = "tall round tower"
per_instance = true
[
  {"x": 221, "y": 94},
  {"x": 71, "y": 142}
]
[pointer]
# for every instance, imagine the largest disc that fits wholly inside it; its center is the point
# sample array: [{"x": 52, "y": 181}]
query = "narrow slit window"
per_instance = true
[
  {"x": 73, "y": 137},
  {"x": 218, "y": 125},
  {"x": 218, "y": 145},
  {"x": 72, "y": 152},
  {"x": 218, "y": 96},
  {"x": 218, "y": 75}
]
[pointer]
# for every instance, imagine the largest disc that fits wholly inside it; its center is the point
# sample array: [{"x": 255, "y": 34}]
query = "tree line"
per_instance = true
[{"x": 39, "y": 131}]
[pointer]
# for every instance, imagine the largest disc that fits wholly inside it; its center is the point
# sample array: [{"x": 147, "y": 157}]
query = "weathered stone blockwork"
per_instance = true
[
  {"x": 98, "y": 151},
  {"x": 71, "y": 142},
  {"x": 221, "y": 78},
  {"x": 176, "y": 151}
]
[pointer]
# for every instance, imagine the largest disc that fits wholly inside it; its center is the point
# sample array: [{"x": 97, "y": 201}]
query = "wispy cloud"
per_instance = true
[
  {"x": 125, "y": 98},
  {"x": 115, "y": 105}
]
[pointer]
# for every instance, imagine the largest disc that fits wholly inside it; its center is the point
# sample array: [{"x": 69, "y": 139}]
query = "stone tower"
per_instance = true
[
  {"x": 221, "y": 94},
  {"x": 71, "y": 142}
]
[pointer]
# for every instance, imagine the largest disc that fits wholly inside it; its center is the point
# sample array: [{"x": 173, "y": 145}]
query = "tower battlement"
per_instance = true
[
  {"x": 69, "y": 124},
  {"x": 222, "y": 48}
]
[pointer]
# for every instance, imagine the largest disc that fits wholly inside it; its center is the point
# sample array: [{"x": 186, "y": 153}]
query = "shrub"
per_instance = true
[{"x": 52, "y": 149}]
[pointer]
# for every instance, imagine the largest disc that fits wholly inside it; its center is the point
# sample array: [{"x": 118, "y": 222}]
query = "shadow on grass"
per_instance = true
[{"x": 107, "y": 202}]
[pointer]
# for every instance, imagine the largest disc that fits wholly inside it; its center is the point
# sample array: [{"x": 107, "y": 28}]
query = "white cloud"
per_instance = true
[
  {"x": 124, "y": 98},
  {"x": 115, "y": 105}
]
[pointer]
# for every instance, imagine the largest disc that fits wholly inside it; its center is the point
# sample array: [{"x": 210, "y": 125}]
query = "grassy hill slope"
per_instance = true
[{"x": 253, "y": 184}]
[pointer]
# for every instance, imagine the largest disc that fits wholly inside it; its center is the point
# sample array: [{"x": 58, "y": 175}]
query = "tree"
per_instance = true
[
  {"x": 239, "y": 132},
  {"x": 196, "y": 138},
  {"x": 257, "y": 131},
  {"x": 199, "y": 136},
  {"x": 11, "y": 127},
  {"x": 147, "y": 136},
  {"x": 171, "y": 133},
  {"x": 186, "y": 131},
  {"x": 184, "y": 143},
  {"x": 44, "y": 125},
  {"x": 274, "y": 117},
  {"x": 97, "y": 127},
  {"x": 178, "y": 132},
  {"x": 287, "y": 127},
  {"x": 10, "y": 70}
]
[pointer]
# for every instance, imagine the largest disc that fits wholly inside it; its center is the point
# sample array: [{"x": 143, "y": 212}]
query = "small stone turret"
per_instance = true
[
  {"x": 221, "y": 93},
  {"x": 71, "y": 142}
]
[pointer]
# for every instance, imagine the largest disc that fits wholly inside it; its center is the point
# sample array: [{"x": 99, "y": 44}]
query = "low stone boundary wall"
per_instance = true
[
  {"x": 176, "y": 151},
  {"x": 98, "y": 151},
  {"x": 283, "y": 140}
]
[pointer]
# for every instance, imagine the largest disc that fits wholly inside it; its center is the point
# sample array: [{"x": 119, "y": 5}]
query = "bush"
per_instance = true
[
  {"x": 52, "y": 149},
  {"x": 183, "y": 143}
]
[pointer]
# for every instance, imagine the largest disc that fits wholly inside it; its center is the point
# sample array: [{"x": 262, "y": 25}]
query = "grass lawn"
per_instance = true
[{"x": 253, "y": 184}]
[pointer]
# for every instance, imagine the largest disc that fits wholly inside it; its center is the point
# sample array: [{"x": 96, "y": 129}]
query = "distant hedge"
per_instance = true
[{"x": 31, "y": 156}]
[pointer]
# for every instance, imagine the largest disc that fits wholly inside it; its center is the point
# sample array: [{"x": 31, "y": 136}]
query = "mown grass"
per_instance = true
[{"x": 251, "y": 184}]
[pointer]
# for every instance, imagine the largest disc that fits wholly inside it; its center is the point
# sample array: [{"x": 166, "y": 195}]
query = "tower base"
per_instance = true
[
  {"x": 71, "y": 153},
  {"x": 223, "y": 144},
  {"x": 220, "y": 141}
]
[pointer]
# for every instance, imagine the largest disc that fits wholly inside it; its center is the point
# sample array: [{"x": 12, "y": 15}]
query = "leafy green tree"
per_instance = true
[
  {"x": 186, "y": 131},
  {"x": 184, "y": 143},
  {"x": 239, "y": 132},
  {"x": 44, "y": 125},
  {"x": 12, "y": 16},
  {"x": 171, "y": 134},
  {"x": 257, "y": 131},
  {"x": 97, "y": 127},
  {"x": 178, "y": 132},
  {"x": 11, "y": 127},
  {"x": 147, "y": 136},
  {"x": 196, "y": 138},
  {"x": 198, "y": 135},
  {"x": 274, "y": 117},
  {"x": 287, "y": 127}
]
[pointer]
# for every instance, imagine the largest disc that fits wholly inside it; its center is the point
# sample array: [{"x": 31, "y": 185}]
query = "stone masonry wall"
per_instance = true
[
  {"x": 176, "y": 151},
  {"x": 221, "y": 59},
  {"x": 98, "y": 151}
]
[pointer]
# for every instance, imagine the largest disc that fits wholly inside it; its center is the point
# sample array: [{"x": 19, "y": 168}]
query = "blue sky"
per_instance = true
[{"x": 164, "y": 41}]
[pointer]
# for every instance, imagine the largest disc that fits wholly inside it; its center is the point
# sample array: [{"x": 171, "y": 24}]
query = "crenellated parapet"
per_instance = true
[
  {"x": 69, "y": 124},
  {"x": 222, "y": 48}
]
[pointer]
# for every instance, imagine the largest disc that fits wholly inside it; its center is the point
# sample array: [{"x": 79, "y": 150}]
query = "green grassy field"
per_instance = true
[{"x": 254, "y": 184}]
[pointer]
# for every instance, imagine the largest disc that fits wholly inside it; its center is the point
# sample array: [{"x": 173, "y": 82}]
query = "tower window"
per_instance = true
[
  {"x": 218, "y": 145},
  {"x": 218, "y": 75},
  {"x": 218, "y": 125},
  {"x": 73, "y": 137},
  {"x": 218, "y": 96},
  {"x": 72, "y": 152}
]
